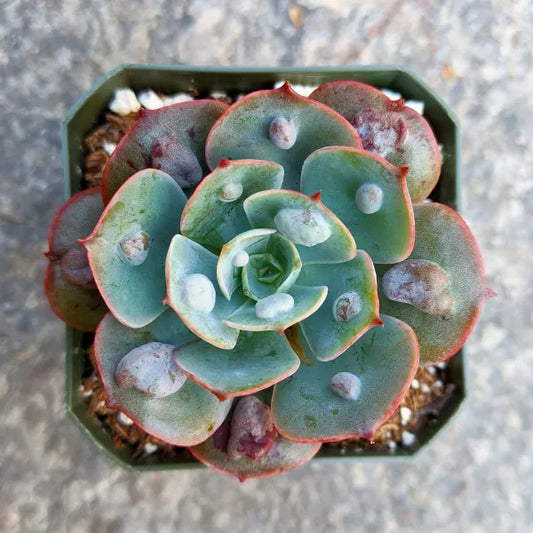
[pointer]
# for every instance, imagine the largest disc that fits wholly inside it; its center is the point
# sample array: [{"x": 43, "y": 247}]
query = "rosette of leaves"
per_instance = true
[{"x": 244, "y": 320}]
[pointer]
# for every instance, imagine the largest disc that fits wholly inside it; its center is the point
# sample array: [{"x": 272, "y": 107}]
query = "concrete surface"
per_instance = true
[{"x": 478, "y": 476}]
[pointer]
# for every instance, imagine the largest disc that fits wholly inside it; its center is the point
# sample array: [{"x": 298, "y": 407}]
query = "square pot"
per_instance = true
[{"x": 89, "y": 111}]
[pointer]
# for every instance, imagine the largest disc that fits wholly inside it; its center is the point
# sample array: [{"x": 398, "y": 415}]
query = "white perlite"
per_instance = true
[
  {"x": 124, "y": 420},
  {"x": 231, "y": 192},
  {"x": 150, "y": 100},
  {"x": 274, "y": 305},
  {"x": 408, "y": 438},
  {"x": 346, "y": 385},
  {"x": 134, "y": 248},
  {"x": 109, "y": 148},
  {"x": 241, "y": 259},
  {"x": 199, "y": 293},
  {"x": 346, "y": 306},
  {"x": 282, "y": 133},
  {"x": 124, "y": 102},
  {"x": 307, "y": 227},
  {"x": 151, "y": 369},
  {"x": 150, "y": 448},
  {"x": 405, "y": 415},
  {"x": 369, "y": 198}
]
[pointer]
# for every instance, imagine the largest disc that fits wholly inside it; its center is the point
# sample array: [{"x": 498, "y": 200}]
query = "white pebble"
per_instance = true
[
  {"x": 231, "y": 192},
  {"x": 346, "y": 385},
  {"x": 109, "y": 148},
  {"x": 369, "y": 198},
  {"x": 307, "y": 227},
  {"x": 150, "y": 448},
  {"x": 218, "y": 94},
  {"x": 417, "y": 105},
  {"x": 408, "y": 438},
  {"x": 432, "y": 370},
  {"x": 282, "y": 133},
  {"x": 274, "y": 305},
  {"x": 199, "y": 293},
  {"x": 150, "y": 100},
  {"x": 346, "y": 306},
  {"x": 135, "y": 247},
  {"x": 124, "y": 102},
  {"x": 425, "y": 389},
  {"x": 124, "y": 420},
  {"x": 438, "y": 384},
  {"x": 415, "y": 384},
  {"x": 393, "y": 95},
  {"x": 405, "y": 414},
  {"x": 177, "y": 98},
  {"x": 441, "y": 366},
  {"x": 392, "y": 445}
]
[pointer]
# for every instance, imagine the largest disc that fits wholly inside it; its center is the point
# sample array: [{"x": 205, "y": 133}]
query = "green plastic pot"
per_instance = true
[{"x": 89, "y": 111}]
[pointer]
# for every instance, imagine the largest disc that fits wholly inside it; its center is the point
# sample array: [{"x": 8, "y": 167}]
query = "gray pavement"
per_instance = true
[{"x": 478, "y": 475}]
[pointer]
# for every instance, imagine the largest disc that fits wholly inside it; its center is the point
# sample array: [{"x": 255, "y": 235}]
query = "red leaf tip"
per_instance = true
[
  {"x": 488, "y": 293},
  {"x": 316, "y": 196},
  {"x": 224, "y": 163}
]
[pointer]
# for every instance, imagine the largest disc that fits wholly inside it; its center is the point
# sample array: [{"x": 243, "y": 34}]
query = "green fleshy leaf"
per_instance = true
[
  {"x": 244, "y": 131},
  {"x": 443, "y": 237},
  {"x": 146, "y": 205},
  {"x": 327, "y": 336},
  {"x": 184, "y": 418},
  {"x": 258, "y": 361},
  {"x": 210, "y": 218},
  {"x": 229, "y": 275},
  {"x": 389, "y": 129},
  {"x": 171, "y": 139},
  {"x": 306, "y": 408},
  {"x": 262, "y": 208},
  {"x": 339, "y": 173},
  {"x": 70, "y": 288},
  {"x": 186, "y": 258},
  {"x": 79, "y": 307},
  {"x": 306, "y": 301}
]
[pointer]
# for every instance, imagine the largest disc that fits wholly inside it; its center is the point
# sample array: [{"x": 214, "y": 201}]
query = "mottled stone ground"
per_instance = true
[{"x": 478, "y": 475}]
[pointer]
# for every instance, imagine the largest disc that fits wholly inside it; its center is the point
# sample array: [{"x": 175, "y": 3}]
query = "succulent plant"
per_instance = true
[{"x": 267, "y": 283}]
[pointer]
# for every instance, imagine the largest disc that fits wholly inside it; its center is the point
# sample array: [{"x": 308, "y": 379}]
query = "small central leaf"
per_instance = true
[{"x": 273, "y": 268}]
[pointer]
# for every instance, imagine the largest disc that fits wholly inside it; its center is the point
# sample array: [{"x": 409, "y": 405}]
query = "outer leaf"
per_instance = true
[
  {"x": 208, "y": 219},
  {"x": 262, "y": 207},
  {"x": 186, "y": 257},
  {"x": 243, "y": 131},
  {"x": 151, "y": 201},
  {"x": 306, "y": 301},
  {"x": 388, "y": 127},
  {"x": 258, "y": 361},
  {"x": 443, "y": 237},
  {"x": 284, "y": 454},
  {"x": 228, "y": 275},
  {"x": 185, "y": 126},
  {"x": 326, "y": 336},
  {"x": 184, "y": 418},
  {"x": 306, "y": 409},
  {"x": 388, "y": 235},
  {"x": 79, "y": 306}
]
